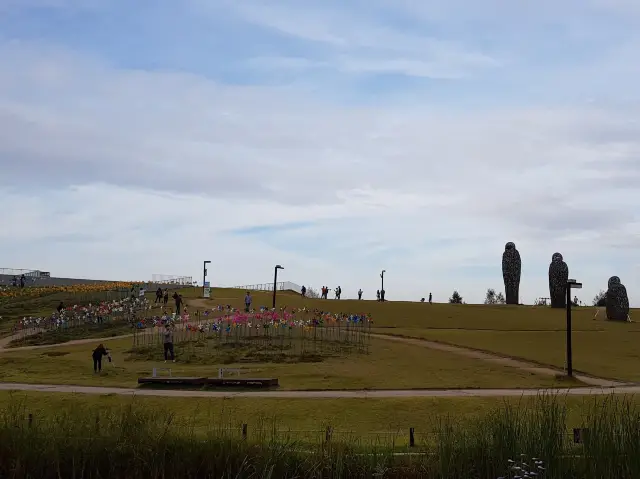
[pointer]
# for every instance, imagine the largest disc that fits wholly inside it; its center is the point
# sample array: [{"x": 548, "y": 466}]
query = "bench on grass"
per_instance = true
[{"x": 210, "y": 382}]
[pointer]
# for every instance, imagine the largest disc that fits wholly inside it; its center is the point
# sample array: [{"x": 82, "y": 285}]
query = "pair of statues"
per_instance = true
[{"x": 617, "y": 300}]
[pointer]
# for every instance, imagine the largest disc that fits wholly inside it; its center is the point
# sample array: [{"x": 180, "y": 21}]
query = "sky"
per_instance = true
[{"x": 336, "y": 138}]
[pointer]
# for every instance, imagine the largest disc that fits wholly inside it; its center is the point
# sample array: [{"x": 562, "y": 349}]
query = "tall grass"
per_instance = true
[{"x": 134, "y": 442}]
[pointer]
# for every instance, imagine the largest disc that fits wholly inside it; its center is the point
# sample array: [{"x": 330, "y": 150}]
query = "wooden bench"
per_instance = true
[{"x": 210, "y": 382}]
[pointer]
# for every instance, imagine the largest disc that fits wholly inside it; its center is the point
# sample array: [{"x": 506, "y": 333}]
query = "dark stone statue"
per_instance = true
[
  {"x": 617, "y": 300},
  {"x": 558, "y": 277},
  {"x": 511, "y": 269}
]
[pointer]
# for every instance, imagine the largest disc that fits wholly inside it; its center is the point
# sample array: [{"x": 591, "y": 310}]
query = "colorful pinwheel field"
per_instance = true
[{"x": 284, "y": 332}]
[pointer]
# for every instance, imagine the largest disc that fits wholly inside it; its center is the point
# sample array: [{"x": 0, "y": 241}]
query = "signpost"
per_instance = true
[
  {"x": 206, "y": 292},
  {"x": 571, "y": 284}
]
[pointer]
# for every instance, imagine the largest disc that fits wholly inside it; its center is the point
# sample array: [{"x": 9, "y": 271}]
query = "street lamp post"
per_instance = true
[
  {"x": 275, "y": 283},
  {"x": 204, "y": 275},
  {"x": 382, "y": 286},
  {"x": 571, "y": 284}
]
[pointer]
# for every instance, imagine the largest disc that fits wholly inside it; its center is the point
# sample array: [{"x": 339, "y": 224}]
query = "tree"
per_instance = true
[
  {"x": 312, "y": 293},
  {"x": 490, "y": 297},
  {"x": 455, "y": 298},
  {"x": 494, "y": 298},
  {"x": 600, "y": 299}
]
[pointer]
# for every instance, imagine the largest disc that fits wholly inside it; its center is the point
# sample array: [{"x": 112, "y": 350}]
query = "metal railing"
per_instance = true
[
  {"x": 280, "y": 286},
  {"x": 169, "y": 279}
]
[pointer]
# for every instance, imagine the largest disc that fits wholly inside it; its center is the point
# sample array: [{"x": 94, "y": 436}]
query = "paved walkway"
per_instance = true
[{"x": 360, "y": 394}]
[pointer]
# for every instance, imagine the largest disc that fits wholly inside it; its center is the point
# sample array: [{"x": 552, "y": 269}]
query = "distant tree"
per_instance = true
[
  {"x": 494, "y": 298},
  {"x": 600, "y": 299},
  {"x": 455, "y": 298},
  {"x": 490, "y": 297},
  {"x": 312, "y": 293}
]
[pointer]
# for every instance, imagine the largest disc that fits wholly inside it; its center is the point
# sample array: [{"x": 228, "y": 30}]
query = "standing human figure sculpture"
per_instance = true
[
  {"x": 511, "y": 271},
  {"x": 558, "y": 277},
  {"x": 617, "y": 300}
]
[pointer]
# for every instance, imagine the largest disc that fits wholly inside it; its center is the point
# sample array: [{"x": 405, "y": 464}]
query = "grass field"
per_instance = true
[
  {"x": 375, "y": 420},
  {"x": 601, "y": 348},
  {"x": 49, "y": 436},
  {"x": 390, "y": 365}
]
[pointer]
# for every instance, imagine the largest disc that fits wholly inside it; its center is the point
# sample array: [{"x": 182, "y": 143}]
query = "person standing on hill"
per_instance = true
[
  {"x": 382, "y": 291},
  {"x": 360, "y": 294},
  {"x": 97, "y": 355},
  {"x": 166, "y": 297},
  {"x": 168, "y": 343},
  {"x": 378, "y": 295},
  {"x": 430, "y": 298},
  {"x": 247, "y": 302},
  {"x": 303, "y": 291},
  {"x": 22, "y": 280},
  {"x": 158, "y": 295},
  {"x": 178, "y": 299}
]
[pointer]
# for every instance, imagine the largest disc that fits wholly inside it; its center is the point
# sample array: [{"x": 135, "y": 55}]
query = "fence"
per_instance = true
[
  {"x": 280, "y": 286},
  {"x": 390, "y": 439},
  {"x": 169, "y": 279}
]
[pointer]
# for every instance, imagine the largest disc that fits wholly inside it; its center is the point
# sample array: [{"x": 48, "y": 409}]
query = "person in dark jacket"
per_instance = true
[{"x": 97, "y": 357}]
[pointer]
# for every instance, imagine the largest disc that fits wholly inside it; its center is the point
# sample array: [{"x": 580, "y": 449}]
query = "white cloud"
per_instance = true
[{"x": 122, "y": 173}]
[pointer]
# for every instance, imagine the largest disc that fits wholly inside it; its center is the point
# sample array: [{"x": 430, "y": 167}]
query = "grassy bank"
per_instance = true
[
  {"x": 390, "y": 365},
  {"x": 133, "y": 440}
]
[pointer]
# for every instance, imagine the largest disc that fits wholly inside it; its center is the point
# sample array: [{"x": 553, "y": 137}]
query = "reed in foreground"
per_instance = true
[{"x": 134, "y": 442}]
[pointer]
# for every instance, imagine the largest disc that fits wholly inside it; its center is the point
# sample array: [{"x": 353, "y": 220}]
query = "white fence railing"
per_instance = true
[
  {"x": 280, "y": 286},
  {"x": 168, "y": 279},
  {"x": 31, "y": 273}
]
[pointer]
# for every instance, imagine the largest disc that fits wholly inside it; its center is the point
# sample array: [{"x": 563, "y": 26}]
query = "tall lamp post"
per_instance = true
[
  {"x": 204, "y": 276},
  {"x": 382, "y": 286},
  {"x": 275, "y": 283},
  {"x": 571, "y": 284}
]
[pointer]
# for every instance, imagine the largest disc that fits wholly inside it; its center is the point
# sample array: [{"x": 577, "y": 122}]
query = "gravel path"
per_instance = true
[{"x": 411, "y": 393}]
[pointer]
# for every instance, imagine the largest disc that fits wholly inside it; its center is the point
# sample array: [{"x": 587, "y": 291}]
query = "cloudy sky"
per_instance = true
[{"x": 337, "y": 138}]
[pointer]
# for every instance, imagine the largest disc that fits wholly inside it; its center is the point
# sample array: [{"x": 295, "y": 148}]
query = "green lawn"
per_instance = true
[
  {"x": 370, "y": 419},
  {"x": 611, "y": 352},
  {"x": 390, "y": 365}
]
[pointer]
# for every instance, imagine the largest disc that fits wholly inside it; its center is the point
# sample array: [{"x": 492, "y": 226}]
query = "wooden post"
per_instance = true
[
  {"x": 30, "y": 419},
  {"x": 244, "y": 432},
  {"x": 328, "y": 433},
  {"x": 97, "y": 423},
  {"x": 412, "y": 439}
]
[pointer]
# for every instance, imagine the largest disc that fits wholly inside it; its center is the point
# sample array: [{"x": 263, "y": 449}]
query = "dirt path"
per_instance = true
[
  {"x": 360, "y": 394},
  {"x": 5, "y": 342},
  {"x": 501, "y": 360}
]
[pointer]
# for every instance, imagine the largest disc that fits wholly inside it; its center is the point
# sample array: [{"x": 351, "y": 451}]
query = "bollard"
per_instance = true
[
  {"x": 412, "y": 439},
  {"x": 244, "y": 432}
]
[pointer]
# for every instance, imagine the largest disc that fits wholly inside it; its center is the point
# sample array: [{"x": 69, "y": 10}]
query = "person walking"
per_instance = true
[
  {"x": 97, "y": 355},
  {"x": 360, "y": 294},
  {"x": 247, "y": 302},
  {"x": 168, "y": 343},
  {"x": 166, "y": 297}
]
